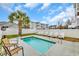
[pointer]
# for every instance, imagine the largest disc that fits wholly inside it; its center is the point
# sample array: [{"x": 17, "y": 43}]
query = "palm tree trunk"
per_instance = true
[
  {"x": 28, "y": 25},
  {"x": 20, "y": 26}
]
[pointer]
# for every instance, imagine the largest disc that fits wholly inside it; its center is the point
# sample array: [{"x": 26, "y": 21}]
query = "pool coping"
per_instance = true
[{"x": 42, "y": 39}]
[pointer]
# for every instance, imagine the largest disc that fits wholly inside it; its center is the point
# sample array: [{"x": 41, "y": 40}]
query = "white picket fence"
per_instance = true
[{"x": 65, "y": 32}]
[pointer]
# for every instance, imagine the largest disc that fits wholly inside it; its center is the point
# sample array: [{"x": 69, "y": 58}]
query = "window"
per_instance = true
[{"x": 77, "y": 13}]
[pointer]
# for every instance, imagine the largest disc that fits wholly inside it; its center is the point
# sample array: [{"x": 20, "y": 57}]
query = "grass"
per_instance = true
[
  {"x": 16, "y": 35},
  {"x": 65, "y": 38},
  {"x": 71, "y": 39},
  {"x": 12, "y": 36}
]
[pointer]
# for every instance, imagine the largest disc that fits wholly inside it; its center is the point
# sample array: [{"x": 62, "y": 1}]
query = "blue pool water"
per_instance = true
[{"x": 40, "y": 45}]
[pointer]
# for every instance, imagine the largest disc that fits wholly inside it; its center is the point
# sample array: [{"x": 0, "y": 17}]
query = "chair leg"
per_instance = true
[
  {"x": 22, "y": 51},
  {"x": 5, "y": 53}
]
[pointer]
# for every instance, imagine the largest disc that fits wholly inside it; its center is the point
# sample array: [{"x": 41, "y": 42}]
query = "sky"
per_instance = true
[{"x": 48, "y": 13}]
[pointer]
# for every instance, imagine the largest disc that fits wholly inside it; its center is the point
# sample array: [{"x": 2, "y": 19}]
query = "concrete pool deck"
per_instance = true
[{"x": 65, "y": 49}]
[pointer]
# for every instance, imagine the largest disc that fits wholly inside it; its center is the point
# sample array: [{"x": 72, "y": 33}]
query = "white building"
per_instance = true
[
  {"x": 77, "y": 14},
  {"x": 75, "y": 21},
  {"x": 52, "y": 26},
  {"x": 38, "y": 25}
]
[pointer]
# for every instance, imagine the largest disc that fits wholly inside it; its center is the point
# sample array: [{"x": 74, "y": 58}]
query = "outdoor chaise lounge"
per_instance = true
[
  {"x": 7, "y": 47},
  {"x": 13, "y": 51},
  {"x": 52, "y": 36}
]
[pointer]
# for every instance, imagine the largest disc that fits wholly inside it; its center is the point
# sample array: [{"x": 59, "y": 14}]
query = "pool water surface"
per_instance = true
[{"x": 39, "y": 44}]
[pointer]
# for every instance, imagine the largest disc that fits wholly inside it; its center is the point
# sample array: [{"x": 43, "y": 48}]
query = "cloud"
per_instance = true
[
  {"x": 63, "y": 16},
  {"x": 58, "y": 17},
  {"x": 53, "y": 11},
  {"x": 7, "y": 7},
  {"x": 30, "y": 5},
  {"x": 18, "y": 7},
  {"x": 46, "y": 18},
  {"x": 45, "y": 22},
  {"x": 55, "y": 19},
  {"x": 27, "y": 5},
  {"x": 70, "y": 12},
  {"x": 45, "y": 5}
]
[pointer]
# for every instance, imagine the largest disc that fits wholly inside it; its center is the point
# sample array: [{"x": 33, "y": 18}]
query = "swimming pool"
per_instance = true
[{"x": 39, "y": 44}]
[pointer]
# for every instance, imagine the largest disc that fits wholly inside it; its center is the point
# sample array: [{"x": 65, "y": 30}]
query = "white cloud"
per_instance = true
[
  {"x": 63, "y": 16},
  {"x": 18, "y": 7},
  {"x": 46, "y": 18},
  {"x": 30, "y": 5},
  {"x": 52, "y": 11},
  {"x": 52, "y": 20},
  {"x": 6, "y": 7},
  {"x": 60, "y": 16},
  {"x": 45, "y": 5},
  {"x": 64, "y": 19},
  {"x": 70, "y": 11},
  {"x": 45, "y": 22}
]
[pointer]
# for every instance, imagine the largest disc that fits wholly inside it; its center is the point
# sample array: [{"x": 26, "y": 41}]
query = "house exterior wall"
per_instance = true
[
  {"x": 75, "y": 21},
  {"x": 38, "y": 25}
]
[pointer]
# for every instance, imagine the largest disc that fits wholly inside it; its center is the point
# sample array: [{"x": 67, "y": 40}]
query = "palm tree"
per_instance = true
[
  {"x": 11, "y": 17},
  {"x": 18, "y": 15},
  {"x": 26, "y": 22}
]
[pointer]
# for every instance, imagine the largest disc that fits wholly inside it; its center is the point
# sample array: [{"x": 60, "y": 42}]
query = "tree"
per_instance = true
[
  {"x": 11, "y": 17},
  {"x": 59, "y": 24},
  {"x": 68, "y": 22},
  {"x": 26, "y": 22},
  {"x": 18, "y": 15}
]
